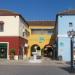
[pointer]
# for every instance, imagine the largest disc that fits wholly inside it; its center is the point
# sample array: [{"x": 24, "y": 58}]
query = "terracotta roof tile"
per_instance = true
[
  {"x": 41, "y": 23},
  {"x": 11, "y": 13},
  {"x": 67, "y": 12},
  {"x": 7, "y": 12}
]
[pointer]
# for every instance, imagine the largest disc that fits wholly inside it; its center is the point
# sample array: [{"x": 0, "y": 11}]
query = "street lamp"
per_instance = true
[{"x": 71, "y": 34}]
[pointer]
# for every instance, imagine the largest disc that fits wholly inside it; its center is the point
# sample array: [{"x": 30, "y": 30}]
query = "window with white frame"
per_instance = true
[{"x": 42, "y": 31}]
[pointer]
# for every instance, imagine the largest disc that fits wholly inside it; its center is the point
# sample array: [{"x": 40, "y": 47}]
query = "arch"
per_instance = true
[
  {"x": 33, "y": 48},
  {"x": 48, "y": 51}
]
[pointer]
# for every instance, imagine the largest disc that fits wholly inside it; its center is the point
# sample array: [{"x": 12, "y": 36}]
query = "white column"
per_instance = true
[
  {"x": 24, "y": 56},
  {"x": 8, "y": 57},
  {"x": 16, "y": 57}
]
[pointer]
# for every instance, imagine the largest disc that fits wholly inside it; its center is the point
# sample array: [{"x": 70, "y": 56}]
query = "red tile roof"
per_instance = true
[
  {"x": 41, "y": 23},
  {"x": 11, "y": 13},
  {"x": 7, "y": 12},
  {"x": 67, "y": 12}
]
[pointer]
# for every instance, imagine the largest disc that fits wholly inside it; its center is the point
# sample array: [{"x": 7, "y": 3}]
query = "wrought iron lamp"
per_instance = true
[{"x": 71, "y": 34}]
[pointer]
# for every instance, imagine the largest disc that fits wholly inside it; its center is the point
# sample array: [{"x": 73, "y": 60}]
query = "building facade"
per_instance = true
[
  {"x": 13, "y": 34},
  {"x": 41, "y": 34},
  {"x": 65, "y": 22}
]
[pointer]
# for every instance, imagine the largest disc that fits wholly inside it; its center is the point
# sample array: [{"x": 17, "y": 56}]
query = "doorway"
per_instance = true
[
  {"x": 48, "y": 51},
  {"x": 3, "y": 50},
  {"x": 34, "y": 50}
]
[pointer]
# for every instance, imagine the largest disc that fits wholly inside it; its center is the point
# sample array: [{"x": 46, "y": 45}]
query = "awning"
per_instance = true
[{"x": 47, "y": 45}]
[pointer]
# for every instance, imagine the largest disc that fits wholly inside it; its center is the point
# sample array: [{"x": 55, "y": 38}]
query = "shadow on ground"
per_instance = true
[{"x": 68, "y": 69}]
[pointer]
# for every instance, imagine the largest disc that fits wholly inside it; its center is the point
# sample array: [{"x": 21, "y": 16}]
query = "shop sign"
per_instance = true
[{"x": 41, "y": 39}]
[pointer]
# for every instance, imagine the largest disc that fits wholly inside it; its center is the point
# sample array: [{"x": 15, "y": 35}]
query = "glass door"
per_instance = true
[{"x": 3, "y": 50}]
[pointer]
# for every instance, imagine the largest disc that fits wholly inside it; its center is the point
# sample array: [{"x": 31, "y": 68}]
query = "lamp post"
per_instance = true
[{"x": 71, "y": 34}]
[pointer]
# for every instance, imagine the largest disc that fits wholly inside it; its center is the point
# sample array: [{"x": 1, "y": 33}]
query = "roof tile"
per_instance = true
[{"x": 41, "y": 23}]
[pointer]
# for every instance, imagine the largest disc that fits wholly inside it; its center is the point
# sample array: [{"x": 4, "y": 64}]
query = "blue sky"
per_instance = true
[{"x": 38, "y": 9}]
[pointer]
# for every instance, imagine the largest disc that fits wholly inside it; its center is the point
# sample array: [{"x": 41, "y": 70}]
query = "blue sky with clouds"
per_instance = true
[{"x": 38, "y": 9}]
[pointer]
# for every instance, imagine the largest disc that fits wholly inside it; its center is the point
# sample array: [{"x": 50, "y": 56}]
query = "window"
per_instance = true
[
  {"x": 1, "y": 26},
  {"x": 23, "y": 33},
  {"x": 42, "y": 31},
  {"x": 26, "y": 33},
  {"x": 61, "y": 16},
  {"x": 50, "y": 31},
  {"x": 70, "y": 24}
]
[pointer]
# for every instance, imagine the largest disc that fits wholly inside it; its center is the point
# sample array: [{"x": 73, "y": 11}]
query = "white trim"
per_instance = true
[
  {"x": 62, "y": 35},
  {"x": 44, "y": 28},
  {"x": 74, "y": 57},
  {"x": 24, "y": 56},
  {"x": 16, "y": 57},
  {"x": 7, "y": 49},
  {"x": 26, "y": 45},
  {"x": 23, "y": 52}
]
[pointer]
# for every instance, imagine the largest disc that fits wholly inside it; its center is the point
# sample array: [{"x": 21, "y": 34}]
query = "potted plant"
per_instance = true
[{"x": 12, "y": 53}]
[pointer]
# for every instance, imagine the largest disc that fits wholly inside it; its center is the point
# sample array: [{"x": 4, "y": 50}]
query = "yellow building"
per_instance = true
[{"x": 41, "y": 34}]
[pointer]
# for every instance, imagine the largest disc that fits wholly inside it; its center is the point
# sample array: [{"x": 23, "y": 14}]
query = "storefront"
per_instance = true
[{"x": 3, "y": 50}]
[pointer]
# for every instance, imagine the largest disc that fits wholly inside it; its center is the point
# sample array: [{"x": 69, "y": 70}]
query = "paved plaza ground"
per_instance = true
[{"x": 22, "y": 67}]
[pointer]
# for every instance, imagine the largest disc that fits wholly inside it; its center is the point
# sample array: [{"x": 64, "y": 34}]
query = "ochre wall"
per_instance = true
[{"x": 35, "y": 38}]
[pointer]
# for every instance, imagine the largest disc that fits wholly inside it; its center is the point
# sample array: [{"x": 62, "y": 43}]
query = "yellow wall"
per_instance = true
[{"x": 35, "y": 38}]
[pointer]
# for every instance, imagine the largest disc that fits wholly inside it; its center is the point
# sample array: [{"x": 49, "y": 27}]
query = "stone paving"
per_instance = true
[
  {"x": 45, "y": 61},
  {"x": 48, "y": 66}
]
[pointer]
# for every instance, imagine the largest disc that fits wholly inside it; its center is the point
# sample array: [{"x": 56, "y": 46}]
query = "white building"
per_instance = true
[{"x": 13, "y": 34}]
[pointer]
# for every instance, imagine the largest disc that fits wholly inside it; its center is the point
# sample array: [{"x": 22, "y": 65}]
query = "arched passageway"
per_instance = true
[
  {"x": 48, "y": 51},
  {"x": 33, "y": 48}
]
